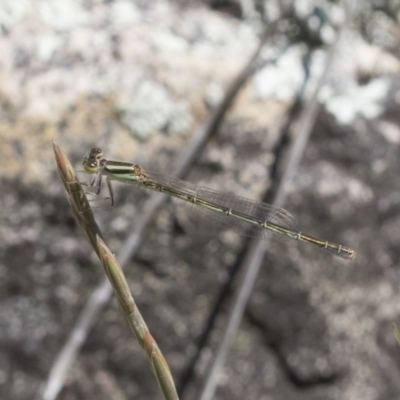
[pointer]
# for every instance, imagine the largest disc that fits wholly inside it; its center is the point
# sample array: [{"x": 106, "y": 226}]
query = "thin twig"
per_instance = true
[{"x": 258, "y": 249}]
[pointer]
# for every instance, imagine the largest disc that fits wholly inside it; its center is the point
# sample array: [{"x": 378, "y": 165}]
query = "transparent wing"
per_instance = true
[{"x": 258, "y": 211}]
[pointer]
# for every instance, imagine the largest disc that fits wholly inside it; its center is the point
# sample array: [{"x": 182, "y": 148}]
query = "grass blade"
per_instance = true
[
  {"x": 136, "y": 322},
  {"x": 84, "y": 217}
]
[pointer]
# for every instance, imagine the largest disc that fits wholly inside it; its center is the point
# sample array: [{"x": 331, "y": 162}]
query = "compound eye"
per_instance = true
[{"x": 95, "y": 153}]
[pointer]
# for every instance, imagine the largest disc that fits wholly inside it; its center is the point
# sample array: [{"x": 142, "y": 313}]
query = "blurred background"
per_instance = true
[{"x": 140, "y": 79}]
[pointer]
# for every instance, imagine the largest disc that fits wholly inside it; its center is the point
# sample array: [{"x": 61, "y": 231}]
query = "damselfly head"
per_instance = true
[{"x": 92, "y": 161}]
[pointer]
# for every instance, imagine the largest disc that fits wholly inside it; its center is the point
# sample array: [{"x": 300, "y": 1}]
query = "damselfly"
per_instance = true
[{"x": 239, "y": 214}]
